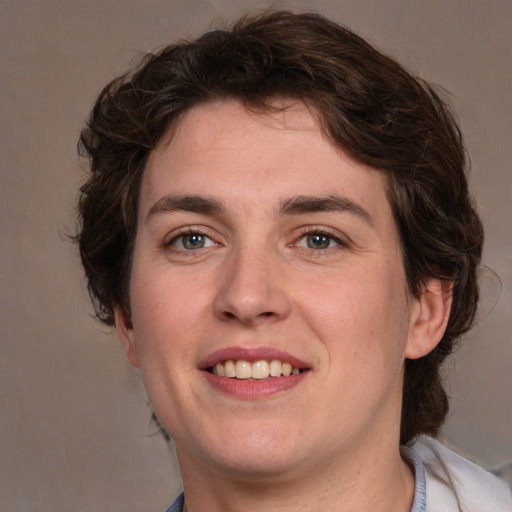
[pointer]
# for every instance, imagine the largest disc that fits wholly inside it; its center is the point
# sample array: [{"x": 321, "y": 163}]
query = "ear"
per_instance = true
[
  {"x": 126, "y": 336},
  {"x": 429, "y": 318}
]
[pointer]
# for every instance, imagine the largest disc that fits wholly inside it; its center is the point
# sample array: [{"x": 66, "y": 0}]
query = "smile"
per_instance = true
[{"x": 258, "y": 370}]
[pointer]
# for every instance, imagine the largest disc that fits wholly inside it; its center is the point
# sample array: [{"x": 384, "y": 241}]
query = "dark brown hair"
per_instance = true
[{"x": 366, "y": 103}]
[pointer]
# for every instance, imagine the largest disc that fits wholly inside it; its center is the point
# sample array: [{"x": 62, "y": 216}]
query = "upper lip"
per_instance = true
[{"x": 251, "y": 355}]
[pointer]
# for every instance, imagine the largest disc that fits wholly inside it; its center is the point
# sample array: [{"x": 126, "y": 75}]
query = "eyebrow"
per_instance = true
[
  {"x": 186, "y": 203},
  {"x": 297, "y": 205},
  {"x": 332, "y": 203}
]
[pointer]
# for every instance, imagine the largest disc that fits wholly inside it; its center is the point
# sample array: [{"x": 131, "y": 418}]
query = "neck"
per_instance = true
[{"x": 379, "y": 481}]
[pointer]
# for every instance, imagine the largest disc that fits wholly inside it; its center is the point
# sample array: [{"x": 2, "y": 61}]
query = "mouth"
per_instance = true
[{"x": 255, "y": 370}]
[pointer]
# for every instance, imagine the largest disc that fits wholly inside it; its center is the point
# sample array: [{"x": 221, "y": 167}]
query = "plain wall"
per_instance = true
[{"x": 74, "y": 425}]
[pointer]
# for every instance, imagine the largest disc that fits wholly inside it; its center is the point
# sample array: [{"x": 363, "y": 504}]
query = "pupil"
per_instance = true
[
  {"x": 194, "y": 241},
  {"x": 318, "y": 241}
]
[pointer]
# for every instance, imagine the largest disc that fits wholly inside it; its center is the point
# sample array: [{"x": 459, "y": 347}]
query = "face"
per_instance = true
[{"x": 261, "y": 250}]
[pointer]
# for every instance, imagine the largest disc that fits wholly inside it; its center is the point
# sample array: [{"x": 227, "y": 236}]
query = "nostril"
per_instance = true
[
  {"x": 248, "y": 319},
  {"x": 265, "y": 314}
]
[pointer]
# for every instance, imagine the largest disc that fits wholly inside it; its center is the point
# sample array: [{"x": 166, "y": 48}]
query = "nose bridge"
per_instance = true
[{"x": 253, "y": 287}]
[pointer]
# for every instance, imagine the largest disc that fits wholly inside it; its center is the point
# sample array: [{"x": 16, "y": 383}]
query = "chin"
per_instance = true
[
  {"x": 259, "y": 453},
  {"x": 258, "y": 468}
]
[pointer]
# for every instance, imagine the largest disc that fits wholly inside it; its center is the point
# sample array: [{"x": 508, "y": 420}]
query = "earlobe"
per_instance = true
[
  {"x": 126, "y": 336},
  {"x": 430, "y": 317}
]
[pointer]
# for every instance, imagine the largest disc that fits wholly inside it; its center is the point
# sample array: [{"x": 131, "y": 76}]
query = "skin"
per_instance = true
[{"x": 257, "y": 281}]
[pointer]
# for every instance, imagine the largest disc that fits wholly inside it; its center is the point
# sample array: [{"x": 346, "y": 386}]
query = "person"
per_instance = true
[{"x": 277, "y": 221}]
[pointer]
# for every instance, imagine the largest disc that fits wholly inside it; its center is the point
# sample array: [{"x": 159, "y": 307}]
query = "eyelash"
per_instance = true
[
  {"x": 305, "y": 232},
  {"x": 169, "y": 244},
  {"x": 310, "y": 231}
]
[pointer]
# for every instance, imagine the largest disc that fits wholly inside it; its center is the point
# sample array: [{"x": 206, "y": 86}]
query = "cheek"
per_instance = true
[
  {"x": 361, "y": 314},
  {"x": 166, "y": 313},
  {"x": 165, "y": 326}
]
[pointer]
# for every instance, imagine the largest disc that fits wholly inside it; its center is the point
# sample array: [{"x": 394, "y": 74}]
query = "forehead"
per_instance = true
[
  {"x": 227, "y": 126},
  {"x": 278, "y": 149}
]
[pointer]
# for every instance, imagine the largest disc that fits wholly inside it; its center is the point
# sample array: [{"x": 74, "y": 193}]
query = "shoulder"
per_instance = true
[{"x": 456, "y": 484}]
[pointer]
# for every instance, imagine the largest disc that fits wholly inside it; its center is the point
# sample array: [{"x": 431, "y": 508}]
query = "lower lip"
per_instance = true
[{"x": 254, "y": 389}]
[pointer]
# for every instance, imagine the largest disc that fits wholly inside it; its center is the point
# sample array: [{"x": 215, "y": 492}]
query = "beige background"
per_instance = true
[{"x": 74, "y": 426}]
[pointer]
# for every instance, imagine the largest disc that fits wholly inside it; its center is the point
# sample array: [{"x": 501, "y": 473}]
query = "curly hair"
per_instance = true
[{"x": 366, "y": 103}]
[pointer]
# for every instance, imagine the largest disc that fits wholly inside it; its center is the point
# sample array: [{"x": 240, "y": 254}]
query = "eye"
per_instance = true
[
  {"x": 318, "y": 240},
  {"x": 191, "y": 242}
]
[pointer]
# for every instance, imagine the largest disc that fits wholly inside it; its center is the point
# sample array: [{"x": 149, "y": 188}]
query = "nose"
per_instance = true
[{"x": 253, "y": 288}]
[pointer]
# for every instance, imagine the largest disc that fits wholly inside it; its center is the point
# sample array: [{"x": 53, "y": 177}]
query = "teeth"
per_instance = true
[
  {"x": 229, "y": 369},
  {"x": 258, "y": 370},
  {"x": 243, "y": 370},
  {"x": 276, "y": 367}
]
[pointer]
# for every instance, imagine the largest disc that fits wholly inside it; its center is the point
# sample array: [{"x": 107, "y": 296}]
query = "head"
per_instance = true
[{"x": 365, "y": 103}]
